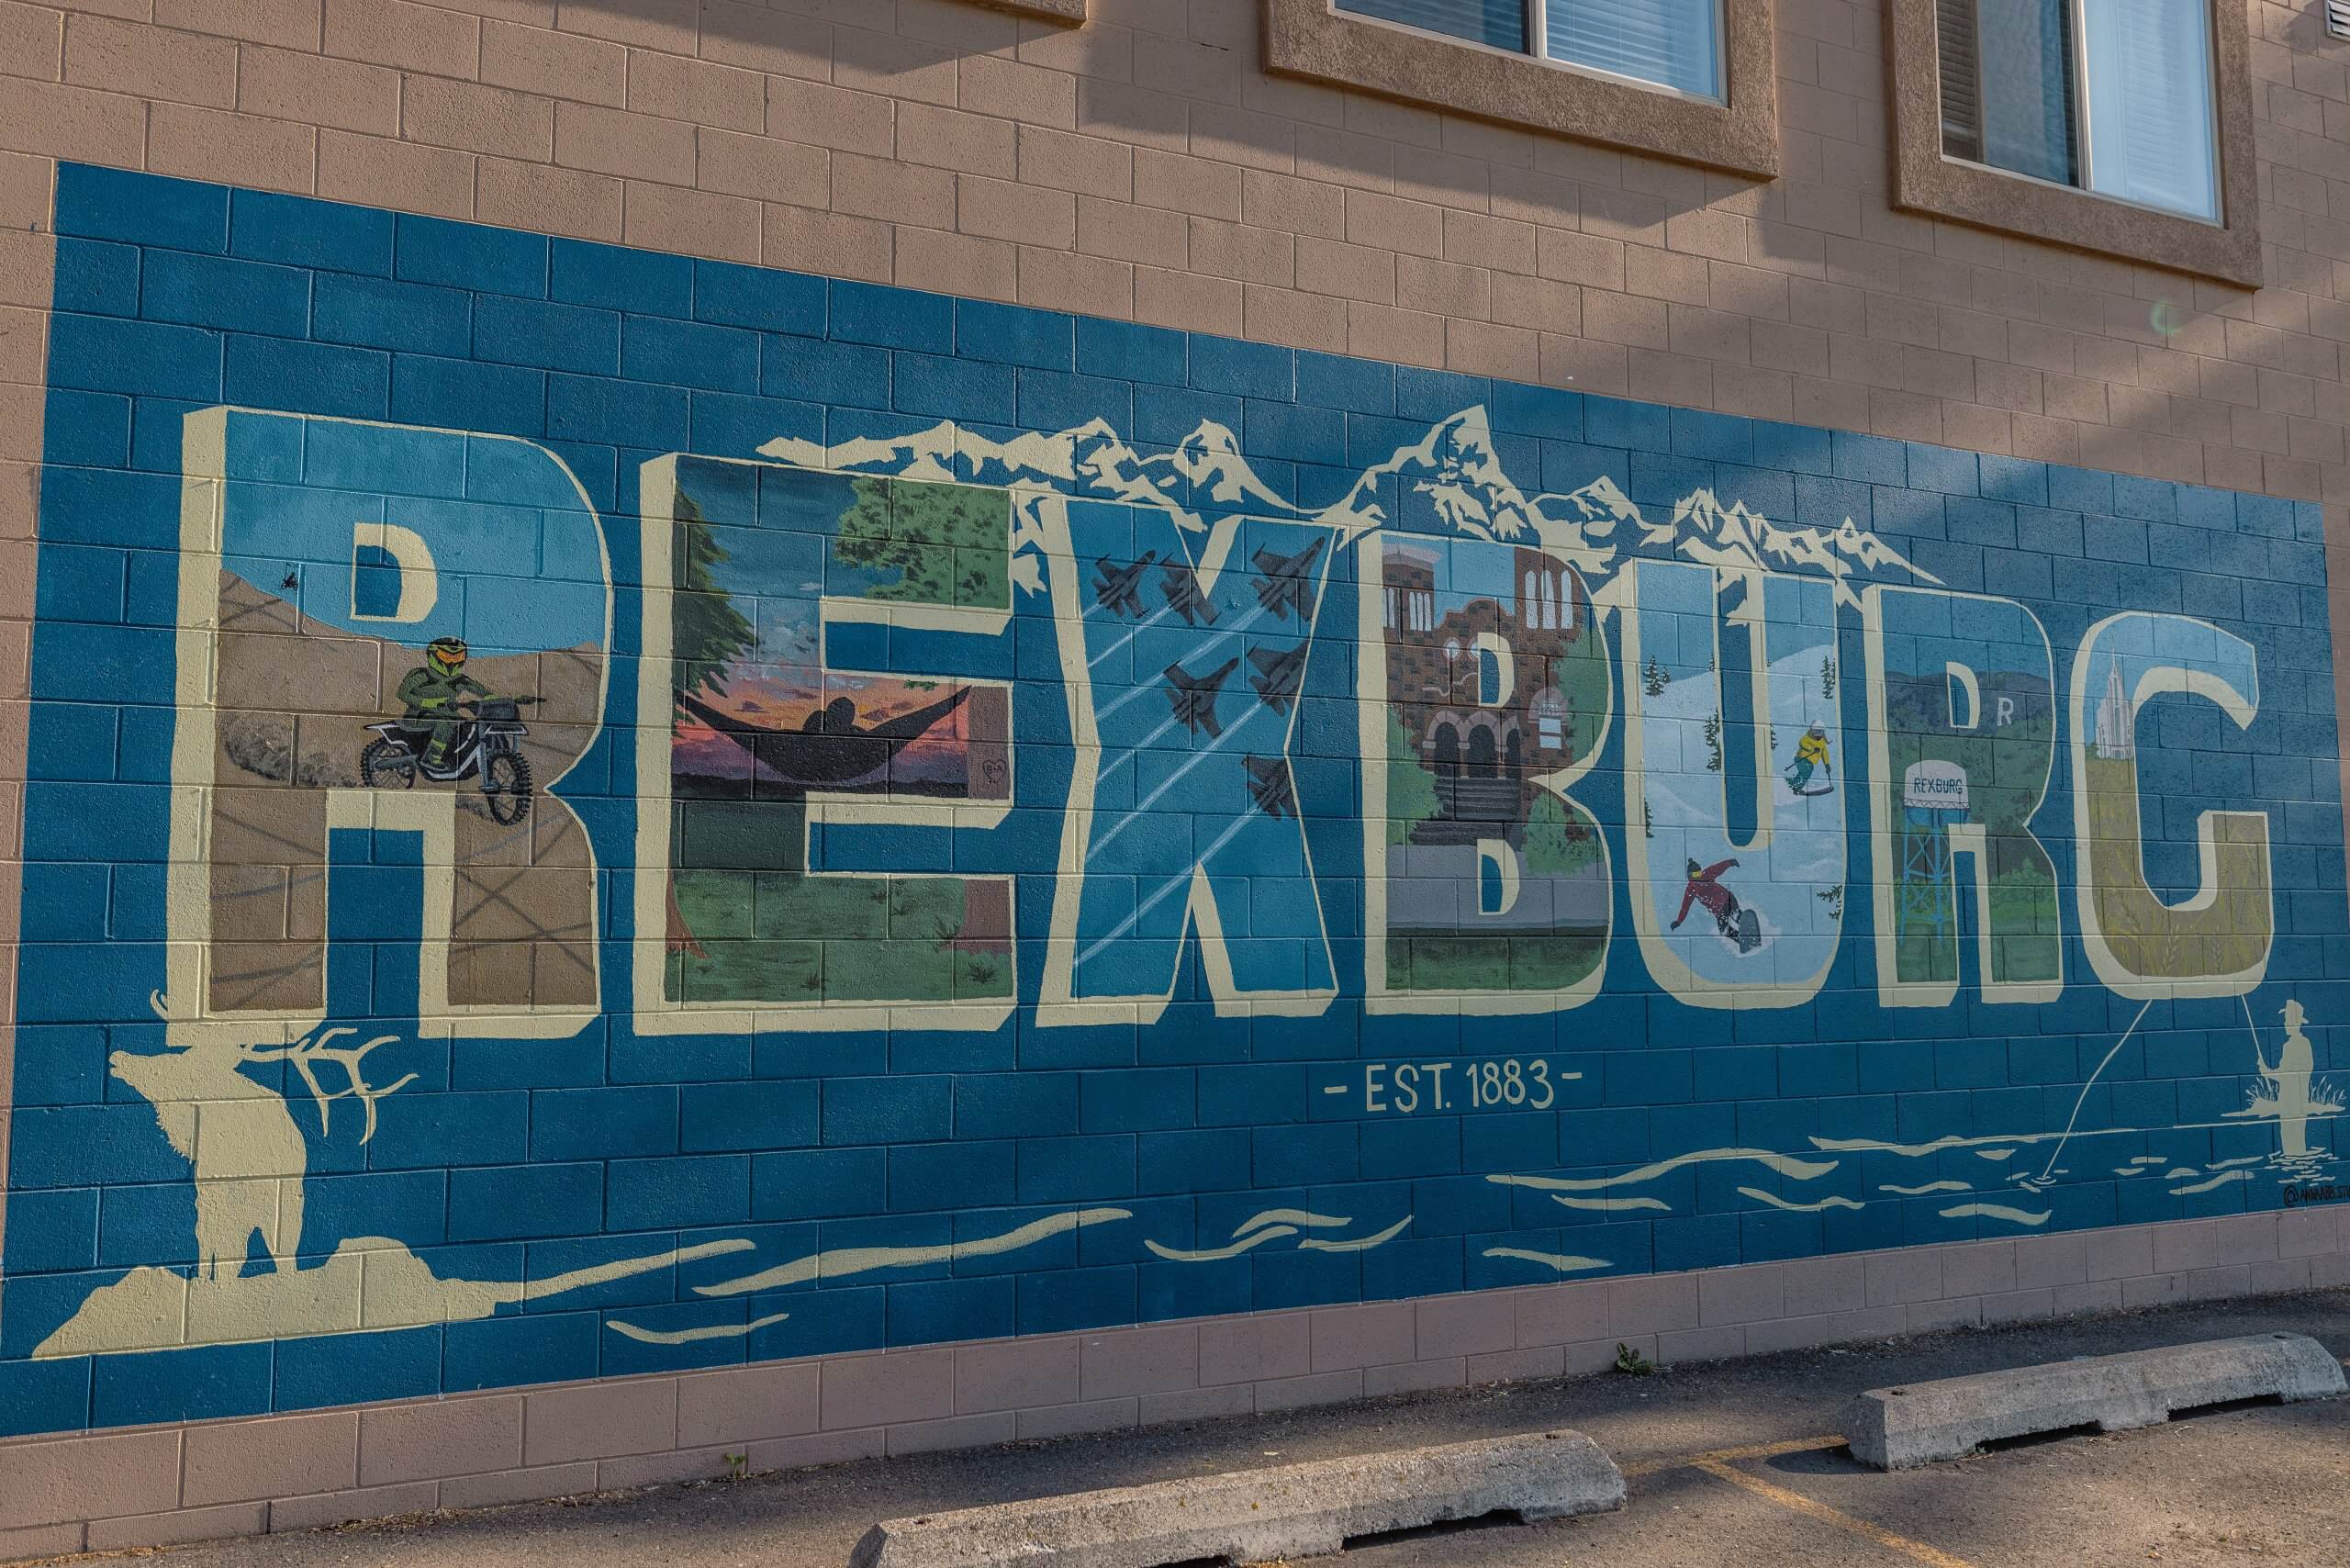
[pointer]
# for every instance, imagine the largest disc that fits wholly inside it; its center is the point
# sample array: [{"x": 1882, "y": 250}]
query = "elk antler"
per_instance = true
[{"x": 307, "y": 1052}]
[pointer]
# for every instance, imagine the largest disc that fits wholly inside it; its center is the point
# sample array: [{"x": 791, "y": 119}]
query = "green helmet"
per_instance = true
[{"x": 446, "y": 655}]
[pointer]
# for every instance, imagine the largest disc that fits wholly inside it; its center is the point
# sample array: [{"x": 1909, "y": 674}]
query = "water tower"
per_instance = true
[{"x": 1933, "y": 797}]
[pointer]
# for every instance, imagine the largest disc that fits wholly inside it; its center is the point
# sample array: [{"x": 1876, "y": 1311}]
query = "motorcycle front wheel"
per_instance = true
[
  {"x": 506, "y": 787},
  {"x": 384, "y": 766}
]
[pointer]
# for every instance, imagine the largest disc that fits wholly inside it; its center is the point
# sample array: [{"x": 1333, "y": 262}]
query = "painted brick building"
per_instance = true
[{"x": 697, "y": 756}]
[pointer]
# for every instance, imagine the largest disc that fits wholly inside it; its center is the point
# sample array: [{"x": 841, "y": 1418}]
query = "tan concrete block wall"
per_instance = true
[
  {"x": 1143, "y": 165},
  {"x": 147, "y": 1487}
]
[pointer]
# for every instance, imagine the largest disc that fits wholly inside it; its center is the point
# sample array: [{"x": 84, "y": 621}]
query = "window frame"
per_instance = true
[
  {"x": 1738, "y": 131},
  {"x": 1538, "y": 33},
  {"x": 1070, "y": 11},
  {"x": 1928, "y": 180}
]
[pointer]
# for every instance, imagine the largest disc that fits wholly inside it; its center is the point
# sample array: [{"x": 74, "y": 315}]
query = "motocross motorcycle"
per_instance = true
[{"x": 488, "y": 746}]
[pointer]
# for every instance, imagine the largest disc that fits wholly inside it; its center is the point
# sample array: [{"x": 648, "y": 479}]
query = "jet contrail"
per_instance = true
[
  {"x": 1173, "y": 779},
  {"x": 1164, "y": 889}
]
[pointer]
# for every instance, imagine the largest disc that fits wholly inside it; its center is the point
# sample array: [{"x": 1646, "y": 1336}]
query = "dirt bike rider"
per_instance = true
[
  {"x": 430, "y": 692},
  {"x": 1811, "y": 752},
  {"x": 1704, "y": 887}
]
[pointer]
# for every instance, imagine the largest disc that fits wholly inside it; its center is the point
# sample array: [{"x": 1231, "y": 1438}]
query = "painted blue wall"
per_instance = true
[{"x": 1037, "y": 1175}]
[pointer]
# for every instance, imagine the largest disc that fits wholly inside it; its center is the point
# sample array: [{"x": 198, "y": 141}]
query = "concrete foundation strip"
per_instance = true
[
  {"x": 1920, "y": 1423},
  {"x": 1256, "y": 1515}
]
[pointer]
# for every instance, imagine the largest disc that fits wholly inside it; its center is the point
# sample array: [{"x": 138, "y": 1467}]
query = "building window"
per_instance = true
[
  {"x": 1668, "y": 43},
  {"x": 1695, "y": 80},
  {"x": 2121, "y": 127},
  {"x": 2112, "y": 96}
]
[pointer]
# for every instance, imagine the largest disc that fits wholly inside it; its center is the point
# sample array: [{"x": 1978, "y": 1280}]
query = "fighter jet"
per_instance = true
[
  {"x": 1284, "y": 587},
  {"x": 1279, "y": 676},
  {"x": 1193, "y": 697},
  {"x": 1271, "y": 785},
  {"x": 1118, "y": 589},
  {"x": 1181, "y": 587}
]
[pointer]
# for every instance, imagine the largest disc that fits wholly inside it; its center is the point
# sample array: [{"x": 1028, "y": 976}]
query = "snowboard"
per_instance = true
[{"x": 1750, "y": 931}]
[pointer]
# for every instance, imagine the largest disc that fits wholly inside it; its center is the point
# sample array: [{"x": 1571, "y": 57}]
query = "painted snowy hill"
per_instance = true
[{"x": 1740, "y": 537}]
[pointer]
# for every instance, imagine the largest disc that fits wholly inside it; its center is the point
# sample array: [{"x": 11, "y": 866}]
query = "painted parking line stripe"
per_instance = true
[
  {"x": 1639, "y": 1468},
  {"x": 1916, "y": 1550}
]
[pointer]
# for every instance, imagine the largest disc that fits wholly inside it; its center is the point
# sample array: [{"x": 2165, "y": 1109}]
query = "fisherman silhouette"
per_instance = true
[
  {"x": 829, "y": 747},
  {"x": 2289, "y": 1082}
]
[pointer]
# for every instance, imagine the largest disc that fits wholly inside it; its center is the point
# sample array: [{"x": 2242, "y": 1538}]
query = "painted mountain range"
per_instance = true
[{"x": 1453, "y": 474}]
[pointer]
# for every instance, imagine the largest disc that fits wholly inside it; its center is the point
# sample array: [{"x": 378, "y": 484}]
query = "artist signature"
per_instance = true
[{"x": 2330, "y": 1192}]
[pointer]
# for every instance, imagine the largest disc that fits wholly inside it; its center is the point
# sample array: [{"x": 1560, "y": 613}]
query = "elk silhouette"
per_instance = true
[{"x": 249, "y": 1155}]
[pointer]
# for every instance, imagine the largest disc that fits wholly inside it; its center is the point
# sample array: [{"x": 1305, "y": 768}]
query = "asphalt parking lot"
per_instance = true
[{"x": 1731, "y": 1466}]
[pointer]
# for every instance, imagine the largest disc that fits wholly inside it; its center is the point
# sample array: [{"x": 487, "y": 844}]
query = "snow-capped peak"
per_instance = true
[
  {"x": 1599, "y": 507},
  {"x": 1740, "y": 537},
  {"x": 1214, "y": 471},
  {"x": 1456, "y": 467}
]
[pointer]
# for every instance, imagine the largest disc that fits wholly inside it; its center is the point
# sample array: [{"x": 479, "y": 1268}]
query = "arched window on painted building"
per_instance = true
[
  {"x": 1443, "y": 750},
  {"x": 1481, "y": 752}
]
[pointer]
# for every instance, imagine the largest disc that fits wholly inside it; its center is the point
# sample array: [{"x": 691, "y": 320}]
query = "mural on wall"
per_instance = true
[{"x": 595, "y": 812}]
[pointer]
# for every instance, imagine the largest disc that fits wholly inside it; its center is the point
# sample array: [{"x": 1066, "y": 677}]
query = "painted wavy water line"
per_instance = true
[
  {"x": 839, "y": 1262},
  {"x": 1275, "y": 1225},
  {"x": 1930, "y": 1187},
  {"x": 1564, "y": 1262},
  {"x": 1217, "y": 1254},
  {"x": 1289, "y": 1217},
  {"x": 1919, "y": 1151},
  {"x": 1609, "y": 1205},
  {"x": 2233, "y": 1164},
  {"x": 1784, "y": 1164},
  {"x": 2002, "y": 1140},
  {"x": 695, "y": 1336},
  {"x": 2222, "y": 1180},
  {"x": 1359, "y": 1244},
  {"x": 1778, "y": 1201},
  {"x": 1996, "y": 1211}
]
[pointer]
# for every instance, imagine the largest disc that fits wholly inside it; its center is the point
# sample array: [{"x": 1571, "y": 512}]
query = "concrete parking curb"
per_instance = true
[
  {"x": 1255, "y": 1516},
  {"x": 1920, "y": 1423}
]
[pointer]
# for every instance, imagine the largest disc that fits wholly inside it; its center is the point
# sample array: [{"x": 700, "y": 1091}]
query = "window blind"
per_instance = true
[
  {"x": 1674, "y": 43},
  {"x": 2150, "y": 103},
  {"x": 1962, "y": 88}
]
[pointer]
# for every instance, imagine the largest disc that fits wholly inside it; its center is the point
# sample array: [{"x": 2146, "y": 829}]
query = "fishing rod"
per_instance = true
[{"x": 2091, "y": 1084}]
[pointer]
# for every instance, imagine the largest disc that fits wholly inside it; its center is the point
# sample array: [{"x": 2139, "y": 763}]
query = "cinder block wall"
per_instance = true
[{"x": 1143, "y": 166}]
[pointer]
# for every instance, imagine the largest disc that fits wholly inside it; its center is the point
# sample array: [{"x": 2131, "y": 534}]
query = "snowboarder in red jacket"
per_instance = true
[{"x": 1704, "y": 887}]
